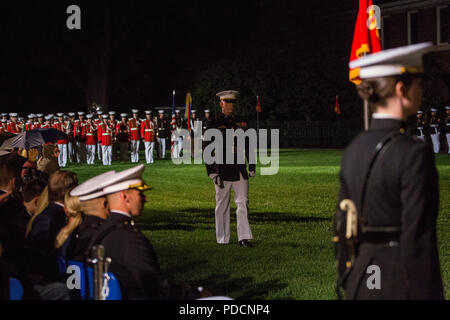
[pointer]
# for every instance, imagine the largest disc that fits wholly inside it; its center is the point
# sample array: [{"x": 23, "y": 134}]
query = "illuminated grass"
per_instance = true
[{"x": 291, "y": 219}]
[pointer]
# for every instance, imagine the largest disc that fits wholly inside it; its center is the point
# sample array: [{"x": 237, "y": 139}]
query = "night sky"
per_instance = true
[{"x": 153, "y": 46}]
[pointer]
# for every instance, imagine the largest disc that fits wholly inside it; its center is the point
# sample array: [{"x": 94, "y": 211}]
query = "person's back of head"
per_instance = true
[
  {"x": 31, "y": 193},
  {"x": 8, "y": 174},
  {"x": 59, "y": 183}
]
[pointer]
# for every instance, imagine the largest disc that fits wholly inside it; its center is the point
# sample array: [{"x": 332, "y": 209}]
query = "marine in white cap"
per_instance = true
[
  {"x": 80, "y": 150},
  {"x": 123, "y": 137},
  {"x": 133, "y": 127},
  {"x": 420, "y": 126},
  {"x": 163, "y": 134},
  {"x": 388, "y": 179},
  {"x": 134, "y": 261},
  {"x": 60, "y": 125},
  {"x": 88, "y": 134},
  {"x": 148, "y": 136},
  {"x": 106, "y": 132},
  {"x": 434, "y": 124},
  {"x": 13, "y": 126},
  {"x": 92, "y": 213},
  {"x": 227, "y": 176}
]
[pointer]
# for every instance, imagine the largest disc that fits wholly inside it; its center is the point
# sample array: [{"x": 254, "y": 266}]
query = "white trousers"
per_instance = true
[
  {"x": 223, "y": 210},
  {"x": 70, "y": 151},
  {"x": 135, "y": 150},
  {"x": 149, "y": 151},
  {"x": 177, "y": 148},
  {"x": 90, "y": 153},
  {"x": 62, "y": 158},
  {"x": 162, "y": 147},
  {"x": 81, "y": 152},
  {"x": 421, "y": 138},
  {"x": 99, "y": 150},
  {"x": 436, "y": 143},
  {"x": 448, "y": 141},
  {"x": 106, "y": 155}
]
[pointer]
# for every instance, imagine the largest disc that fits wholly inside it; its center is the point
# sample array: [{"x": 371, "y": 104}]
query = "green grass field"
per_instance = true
[{"x": 291, "y": 215}]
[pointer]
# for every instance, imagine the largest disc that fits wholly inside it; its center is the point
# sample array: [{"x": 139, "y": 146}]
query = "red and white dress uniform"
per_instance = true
[
  {"x": 29, "y": 126},
  {"x": 147, "y": 134},
  {"x": 133, "y": 131},
  {"x": 13, "y": 127},
  {"x": 107, "y": 133},
  {"x": 88, "y": 134},
  {"x": 97, "y": 123},
  {"x": 62, "y": 144}
]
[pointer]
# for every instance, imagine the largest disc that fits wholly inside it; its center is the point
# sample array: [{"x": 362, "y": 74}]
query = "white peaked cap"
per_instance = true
[
  {"x": 392, "y": 62},
  {"x": 124, "y": 180},
  {"x": 91, "y": 189},
  {"x": 227, "y": 94}
]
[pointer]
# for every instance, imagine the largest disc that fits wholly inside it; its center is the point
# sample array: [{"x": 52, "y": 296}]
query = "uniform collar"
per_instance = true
[{"x": 387, "y": 124}]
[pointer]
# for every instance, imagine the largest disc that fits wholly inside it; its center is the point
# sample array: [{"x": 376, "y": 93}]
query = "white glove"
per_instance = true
[
  {"x": 217, "y": 180},
  {"x": 251, "y": 174}
]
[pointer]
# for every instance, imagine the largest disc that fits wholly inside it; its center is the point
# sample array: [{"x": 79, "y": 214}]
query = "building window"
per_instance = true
[
  {"x": 442, "y": 25},
  {"x": 413, "y": 27}
]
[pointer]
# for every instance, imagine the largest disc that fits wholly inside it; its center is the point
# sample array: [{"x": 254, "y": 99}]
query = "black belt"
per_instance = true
[{"x": 380, "y": 237}]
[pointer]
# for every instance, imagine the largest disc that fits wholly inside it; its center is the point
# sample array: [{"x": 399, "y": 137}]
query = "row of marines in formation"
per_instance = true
[
  {"x": 50, "y": 219},
  {"x": 102, "y": 131},
  {"x": 435, "y": 128}
]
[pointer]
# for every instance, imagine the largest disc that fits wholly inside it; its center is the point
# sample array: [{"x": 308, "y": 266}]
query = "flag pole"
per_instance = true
[
  {"x": 366, "y": 115},
  {"x": 257, "y": 126}
]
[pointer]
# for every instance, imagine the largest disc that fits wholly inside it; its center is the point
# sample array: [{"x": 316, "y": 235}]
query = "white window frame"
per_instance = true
[
  {"x": 409, "y": 23},
  {"x": 438, "y": 25}
]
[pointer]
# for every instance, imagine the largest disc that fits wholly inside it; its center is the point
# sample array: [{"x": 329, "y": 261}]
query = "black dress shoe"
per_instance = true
[{"x": 245, "y": 243}]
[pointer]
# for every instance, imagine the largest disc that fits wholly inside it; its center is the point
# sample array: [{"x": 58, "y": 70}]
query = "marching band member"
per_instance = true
[
  {"x": 29, "y": 124},
  {"x": 62, "y": 144},
  {"x": 81, "y": 147},
  {"x": 71, "y": 147},
  {"x": 113, "y": 121},
  {"x": 147, "y": 134},
  {"x": 13, "y": 126},
  {"x": 434, "y": 130},
  {"x": 420, "y": 126},
  {"x": 40, "y": 121},
  {"x": 88, "y": 135},
  {"x": 98, "y": 122},
  {"x": 163, "y": 133},
  {"x": 133, "y": 130},
  {"x": 106, "y": 129},
  {"x": 123, "y": 137}
]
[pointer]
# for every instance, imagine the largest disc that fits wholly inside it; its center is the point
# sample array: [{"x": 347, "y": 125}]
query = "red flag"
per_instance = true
[
  {"x": 337, "y": 109},
  {"x": 258, "y": 105},
  {"x": 366, "y": 38},
  {"x": 187, "y": 114}
]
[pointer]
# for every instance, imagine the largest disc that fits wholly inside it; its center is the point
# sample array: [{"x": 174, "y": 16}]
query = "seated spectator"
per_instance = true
[
  {"x": 134, "y": 261},
  {"x": 45, "y": 224},
  {"x": 95, "y": 211},
  {"x": 8, "y": 212},
  {"x": 48, "y": 163}
]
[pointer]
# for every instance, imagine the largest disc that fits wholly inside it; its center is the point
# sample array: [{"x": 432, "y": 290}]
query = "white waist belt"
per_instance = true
[
  {"x": 106, "y": 134},
  {"x": 133, "y": 128},
  {"x": 147, "y": 130},
  {"x": 89, "y": 134}
]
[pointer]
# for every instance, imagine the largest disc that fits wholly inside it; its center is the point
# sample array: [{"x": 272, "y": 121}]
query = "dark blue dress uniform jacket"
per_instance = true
[
  {"x": 229, "y": 172},
  {"x": 135, "y": 264},
  {"x": 403, "y": 192}
]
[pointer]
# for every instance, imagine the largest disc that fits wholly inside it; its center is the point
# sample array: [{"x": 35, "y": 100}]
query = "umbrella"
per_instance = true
[
  {"x": 5, "y": 136},
  {"x": 36, "y": 137},
  {"x": 6, "y": 145}
]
